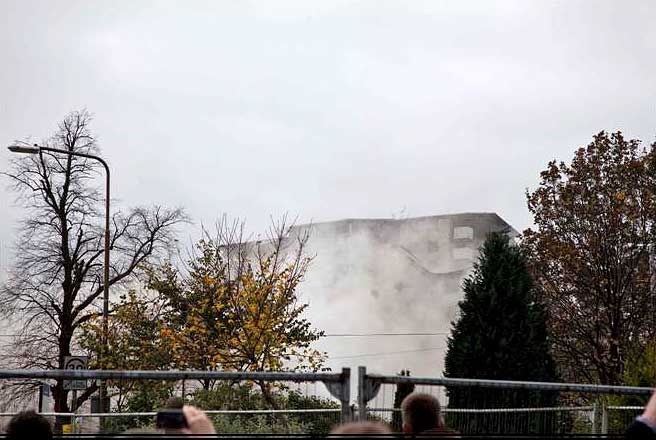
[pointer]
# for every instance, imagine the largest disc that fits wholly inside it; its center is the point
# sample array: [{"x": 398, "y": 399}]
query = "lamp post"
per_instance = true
[{"x": 36, "y": 149}]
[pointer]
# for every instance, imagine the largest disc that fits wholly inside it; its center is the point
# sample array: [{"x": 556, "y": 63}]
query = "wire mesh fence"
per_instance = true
[
  {"x": 475, "y": 407},
  {"x": 618, "y": 417},
  {"x": 313, "y": 403},
  {"x": 237, "y": 402},
  {"x": 503, "y": 421}
]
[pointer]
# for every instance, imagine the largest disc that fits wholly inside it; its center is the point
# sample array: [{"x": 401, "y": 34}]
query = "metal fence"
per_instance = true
[
  {"x": 299, "y": 389},
  {"x": 472, "y": 406}
]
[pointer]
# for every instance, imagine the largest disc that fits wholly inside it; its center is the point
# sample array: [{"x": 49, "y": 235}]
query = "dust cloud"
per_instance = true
[{"x": 390, "y": 276}]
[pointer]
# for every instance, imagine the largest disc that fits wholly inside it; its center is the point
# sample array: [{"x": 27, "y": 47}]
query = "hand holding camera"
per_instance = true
[{"x": 188, "y": 420}]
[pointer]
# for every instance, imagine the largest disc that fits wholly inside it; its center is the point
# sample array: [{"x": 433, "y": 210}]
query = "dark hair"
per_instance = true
[
  {"x": 421, "y": 411},
  {"x": 29, "y": 424},
  {"x": 361, "y": 428},
  {"x": 174, "y": 403}
]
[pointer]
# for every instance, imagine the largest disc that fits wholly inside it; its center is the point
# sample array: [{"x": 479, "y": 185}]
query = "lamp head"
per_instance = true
[{"x": 24, "y": 149}]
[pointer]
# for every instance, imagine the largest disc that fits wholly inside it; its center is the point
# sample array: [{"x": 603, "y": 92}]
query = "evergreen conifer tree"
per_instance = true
[{"x": 500, "y": 334}]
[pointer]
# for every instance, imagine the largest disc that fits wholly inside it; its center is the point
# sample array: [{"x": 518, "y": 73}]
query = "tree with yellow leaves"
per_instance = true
[
  {"x": 134, "y": 343},
  {"x": 595, "y": 221},
  {"x": 234, "y": 307}
]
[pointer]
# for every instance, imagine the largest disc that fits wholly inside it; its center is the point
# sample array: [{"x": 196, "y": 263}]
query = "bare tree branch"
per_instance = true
[{"x": 55, "y": 280}]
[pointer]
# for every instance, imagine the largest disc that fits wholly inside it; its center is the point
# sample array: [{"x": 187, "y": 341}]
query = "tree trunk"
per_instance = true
[
  {"x": 616, "y": 362},
  {"x": 60, "y": 395},
  {"x": 268, "y": 397}
]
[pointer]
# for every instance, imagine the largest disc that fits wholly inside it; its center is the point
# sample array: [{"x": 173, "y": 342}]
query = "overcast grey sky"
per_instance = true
[{"x": 328, "y": 109}]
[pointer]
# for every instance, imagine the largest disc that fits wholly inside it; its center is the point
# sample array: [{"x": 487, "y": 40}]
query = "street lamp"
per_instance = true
[
  {"x": 36, "y": 149},
  {"x": 24, "y": 149}
]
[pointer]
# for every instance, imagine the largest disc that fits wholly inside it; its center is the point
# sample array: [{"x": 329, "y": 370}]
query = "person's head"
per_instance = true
[
  {"x": 174, "y": 402},
  {"x": 149, "y": 432},
  {"x": 420, "y": 412},
  {"x": 362, "y": 428},
  {"x": 29, "y": 424}
]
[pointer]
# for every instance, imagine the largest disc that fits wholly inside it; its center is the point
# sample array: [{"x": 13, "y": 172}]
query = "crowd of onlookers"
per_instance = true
[{"x": 421, "y": 417}]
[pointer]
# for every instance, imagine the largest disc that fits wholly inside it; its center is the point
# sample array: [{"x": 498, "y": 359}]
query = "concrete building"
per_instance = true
[{"x": 391, "y": 276}]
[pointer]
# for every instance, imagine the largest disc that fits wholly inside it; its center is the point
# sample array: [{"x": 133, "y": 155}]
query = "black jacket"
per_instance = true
[{"x": 639, "y": 430}]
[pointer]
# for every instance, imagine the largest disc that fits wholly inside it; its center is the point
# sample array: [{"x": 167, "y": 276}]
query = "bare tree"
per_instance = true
[
  {"x": 233, "y": 306},
  {"x": 56, "y": 282}
]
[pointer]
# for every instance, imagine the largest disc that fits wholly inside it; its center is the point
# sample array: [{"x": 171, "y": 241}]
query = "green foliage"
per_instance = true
[
  {"x": 247, "y": 396},
  {"x": 235, "y": 397},
  {"x": 143, "y": 396},
  {"x": 316, "y": 423},
  {"x": 257, "y": 424},
  {"x": 227, "y": 396},
  {"x": 500, "y": 333},
  {"x": 639, "y": 371},
  {"x": 134, "y": 344}
]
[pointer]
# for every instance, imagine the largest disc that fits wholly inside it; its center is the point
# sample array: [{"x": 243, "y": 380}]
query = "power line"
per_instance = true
[
  {"x": 384, "y": 353},
  {"x": 327, "y": 335},
  {"x": 357, "y": 335}
]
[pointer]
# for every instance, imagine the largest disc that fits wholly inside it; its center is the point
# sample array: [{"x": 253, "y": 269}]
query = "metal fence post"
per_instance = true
[
  {"x": 604, "y": 419},
  {"x": 595, "y": 417},
  {"x": 362, "y": 400},
  {"x": 74, "y": 410},
  {"x": 41, "y": 393},
  {"x": 345, "y": 399}
]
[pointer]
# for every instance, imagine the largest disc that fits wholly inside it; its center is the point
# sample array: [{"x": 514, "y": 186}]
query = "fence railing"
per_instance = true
[
  {"x": 477, "y": 406},
  {"x": 470, "y": 406},
  {"x": 337, "y": 385}
]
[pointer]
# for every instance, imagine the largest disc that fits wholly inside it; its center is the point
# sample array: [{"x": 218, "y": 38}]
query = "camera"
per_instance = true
[{"x": 171, "y": 419}]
